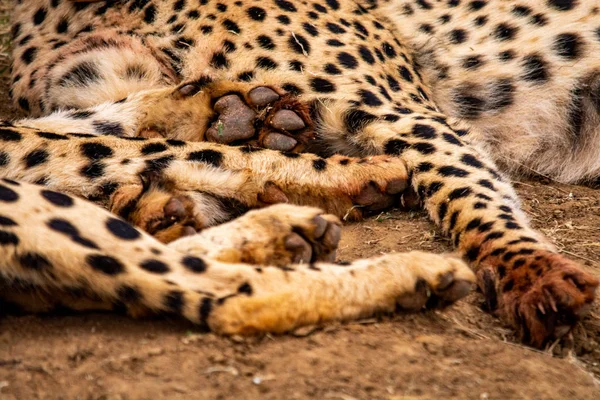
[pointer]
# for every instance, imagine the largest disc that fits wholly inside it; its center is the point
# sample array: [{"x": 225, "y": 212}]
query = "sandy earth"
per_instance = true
[{"x": 460, "y": 353}]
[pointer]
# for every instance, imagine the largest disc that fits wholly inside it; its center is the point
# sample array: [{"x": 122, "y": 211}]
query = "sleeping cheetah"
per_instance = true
[{"x": 181, "y": 115}]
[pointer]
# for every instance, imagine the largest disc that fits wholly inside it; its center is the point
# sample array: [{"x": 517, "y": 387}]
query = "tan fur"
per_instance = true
[{"x": 389, "y": 99}]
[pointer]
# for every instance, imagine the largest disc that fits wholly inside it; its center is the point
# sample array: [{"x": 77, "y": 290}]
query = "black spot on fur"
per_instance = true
[
  {"x": 424, "y": 131},
  {"x": 152, "y": 148},
  {"x": 34, "y": 261},
  {"x": 128, "y": 294},
  {"x": 450, "y": 170},
  {"x": 155, "y": 266},
  {"x": 505, "y": 32},
  {"x": 106, "y": 264},
  {"x": 219, "y": 60},
  {"x": 24, "y": 104},
  {"x": 266, "y": 63},
  {"x": 366, "y": 55},
  {"x": 473, "y": 62},
  {"x": 7, "y": 135},
  {"x": 39, "y": 16},
  {"x": 356, "y": 119},
  {"x": 29, "y": 55},
  {"x": 96, "y": 151},
  {"x": 231, "y": 26},
  {"x": 211, "y": 157},
  {"x": 4, "y": 159},
  {"x": 122, "y": 229},
  {"x": 347, "y": 60},
  {"x": 535, "y": 69},
  {"x": 35, "y": 158},
  {"x": 6, "y": 221},
  {"x": 568, "y": 45},
  {"x": 424, "y": 147},
  {"x": 81, "y": 75},
  {"x": 173, "y": 301},
  {"x": 369, "y": 98},
  {"x": 319, "y": 164},
  {"x": 257, "y": 13},
  {"x": 150, "y": 14},
  {"x": 8, "y": 195},
  {"x": 299, "y": 44},
  {"x": 7, "y": 238},
  {"x": 108, "y": 128},
  {"x": 322, "y": 85},
  {"x": 457, "y": 36},
  {"x": 563, "y": 5},
  {"x": 194, "y": 264},
  {"x": 396, "y": 147},
  {"x": 459, "y": 193},
  {"x": 58, "y": 199},
  {"x": 65, "y": 227}
]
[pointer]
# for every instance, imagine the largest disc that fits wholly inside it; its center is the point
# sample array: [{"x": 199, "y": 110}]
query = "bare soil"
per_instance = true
[{"x": 461, "y": 353}]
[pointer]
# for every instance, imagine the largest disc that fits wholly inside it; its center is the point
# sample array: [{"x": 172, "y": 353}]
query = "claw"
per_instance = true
[
  {"x": 551, "y": 300},
  {"x": 541, "y": 308}
]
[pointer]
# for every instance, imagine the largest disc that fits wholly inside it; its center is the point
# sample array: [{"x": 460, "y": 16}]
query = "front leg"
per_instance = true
[
  {"x": 218, "y": 111},
  {"x": 54, "y": 242},
  {"x": 221, "y": 181}
]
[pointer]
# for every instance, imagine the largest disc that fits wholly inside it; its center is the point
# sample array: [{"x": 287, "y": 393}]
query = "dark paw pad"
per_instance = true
[
  {"x": 373, "y": 197},
  {"x": 319, "y": 242},
  {"x": 262, "y": 118}
]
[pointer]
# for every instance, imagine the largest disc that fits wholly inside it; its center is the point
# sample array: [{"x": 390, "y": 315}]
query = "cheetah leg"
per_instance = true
[
  {"x": 524, "y": 279},
  {"x": 218, "y": 111},
  {"x": 220, "y": 182},
  {"x": 47, "y": 244}
]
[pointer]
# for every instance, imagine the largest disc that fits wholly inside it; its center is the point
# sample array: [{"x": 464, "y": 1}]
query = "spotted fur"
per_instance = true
[{"x": 447, "y": 90}]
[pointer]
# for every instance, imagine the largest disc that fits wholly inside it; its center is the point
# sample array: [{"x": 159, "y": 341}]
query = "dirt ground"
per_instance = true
[{"x": 461, "y": 353}]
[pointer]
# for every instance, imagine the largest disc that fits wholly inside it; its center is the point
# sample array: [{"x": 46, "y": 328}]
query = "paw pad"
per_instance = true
[{"x": 262, "y": 118}]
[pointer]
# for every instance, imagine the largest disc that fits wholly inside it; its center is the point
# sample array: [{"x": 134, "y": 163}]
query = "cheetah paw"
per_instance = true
[
  {"x": 278, "y": 235},
  {"x": 543, "y": 298},
  {"x": 262, "y": 117},
  {"x": 441, "y": 280},
  {"x": 156, "y": 208}
]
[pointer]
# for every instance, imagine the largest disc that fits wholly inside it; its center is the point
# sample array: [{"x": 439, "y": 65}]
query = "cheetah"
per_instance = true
[{"x": 163, "y": 135}]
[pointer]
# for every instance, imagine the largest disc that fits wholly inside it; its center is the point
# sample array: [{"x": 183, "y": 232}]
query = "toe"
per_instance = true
[
  {"x": 287, "y": 120},
  {"x": 235, "y": 121},
  {"x": 277, "y": 141},
  {"x": 320, "y": 226},
  {"x": 372, "y": 198},
  {"x": 174, "y": 209},
  {"x": 262, "y": 96},
  {"x": 300, "y": 248}
]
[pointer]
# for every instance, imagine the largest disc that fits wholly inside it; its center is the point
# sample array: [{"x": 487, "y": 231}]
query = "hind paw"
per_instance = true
[
  {"x": 261, "y": 117},
  {"x": 544, "y": 296}
]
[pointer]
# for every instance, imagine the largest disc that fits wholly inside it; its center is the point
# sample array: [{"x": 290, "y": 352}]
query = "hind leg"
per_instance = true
[{"x": 525, "y": 280}]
